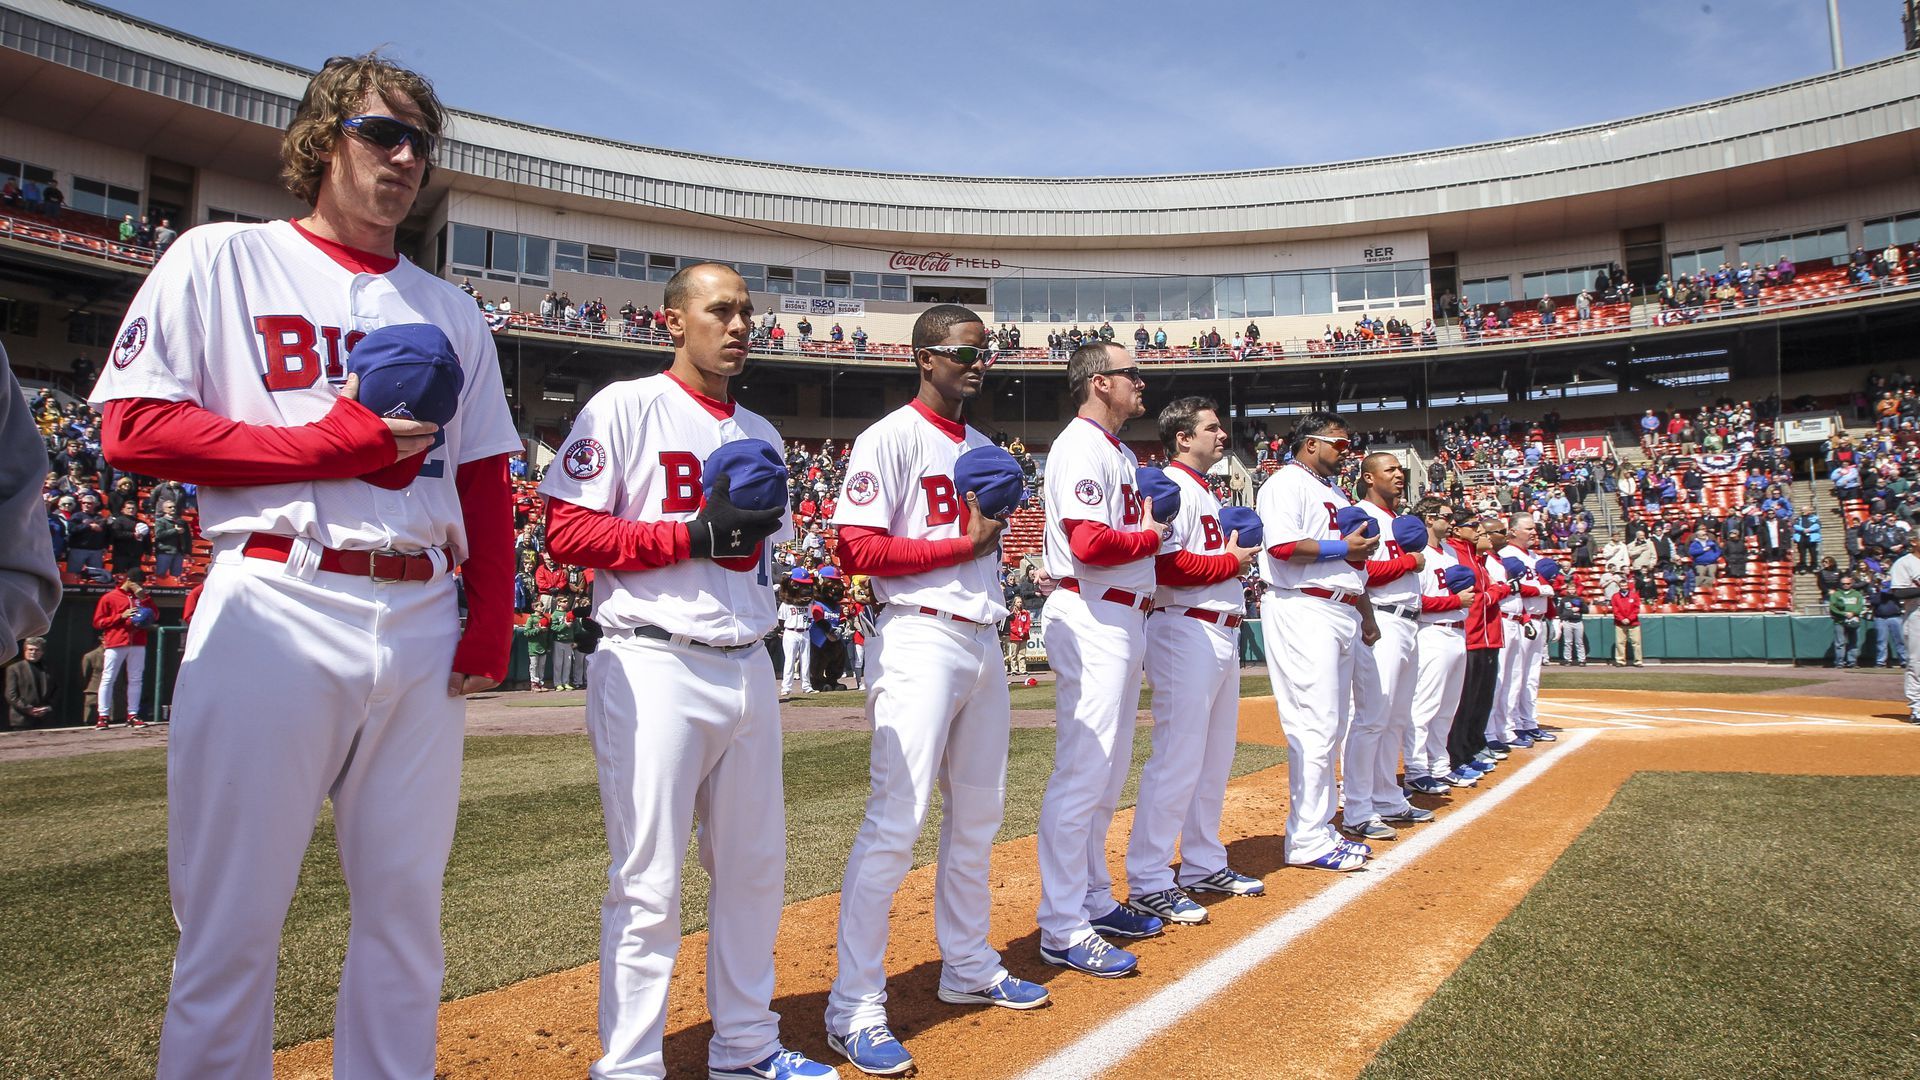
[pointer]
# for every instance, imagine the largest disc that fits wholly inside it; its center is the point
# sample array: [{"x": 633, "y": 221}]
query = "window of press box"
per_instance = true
[
  {"x": 102, "y": 198},
  {"x": 1693, "y": 262},
  {"x": 570, "y": 256},
  {"x": 1902, "y": 229},
  {"x": 661, "y": 267},
  {"x": 632, "y": 265},
  {"x": 1804, "y": 248}
]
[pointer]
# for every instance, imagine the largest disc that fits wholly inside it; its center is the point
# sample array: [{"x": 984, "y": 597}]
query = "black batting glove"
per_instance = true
[
  {"x": 586, "y": 635},
  {"x": 724, "y": 531}
]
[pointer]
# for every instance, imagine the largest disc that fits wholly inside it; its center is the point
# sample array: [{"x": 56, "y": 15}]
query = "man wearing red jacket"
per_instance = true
[
  {"x": 1100, "y": 542},
  {"x": 1625, "y": 604},
  {"x": 1473, "y": 544},
  {"x": 327, "y": 660},
  {"x": 122, "y": 617}
]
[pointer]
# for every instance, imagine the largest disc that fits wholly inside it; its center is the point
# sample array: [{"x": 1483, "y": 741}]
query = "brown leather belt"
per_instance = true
[
  {"x": 380, "y": 566},
  {"x": 1349, "y": 599},
  {"x": 1113, "y": 596},
  {"x": 1219, "y": 618}
]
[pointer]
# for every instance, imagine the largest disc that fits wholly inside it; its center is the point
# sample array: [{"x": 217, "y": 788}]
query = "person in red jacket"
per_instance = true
[
  {"x": 549, "y": 578},
  {"x": 1473, "y": 544},
  {"x": 122, "y": 617},
  {"x": 1626, "y": 627}
]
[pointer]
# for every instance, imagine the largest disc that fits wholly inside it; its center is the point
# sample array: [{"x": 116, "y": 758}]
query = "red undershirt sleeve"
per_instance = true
[
  {"x": 1381, "y": 571},
  {"x": 1098, "y": 544},
  {"x": 1186, "y": 568},
  {"x": 486, "y": 507},
  {"x": 868, "y": 550},
  {"x": 179, "y": 440},
  {"x": 1282, "y": 552},
  {"x": 578, "y": 536},
  {"x": 1449, "y": 602}
]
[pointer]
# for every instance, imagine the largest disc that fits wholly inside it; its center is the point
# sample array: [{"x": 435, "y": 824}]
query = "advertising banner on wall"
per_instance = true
[
  {"x": 1590, "y": 447},
  {"x": 825, "y": 306},
  {"x": 1795, "y": 430}
]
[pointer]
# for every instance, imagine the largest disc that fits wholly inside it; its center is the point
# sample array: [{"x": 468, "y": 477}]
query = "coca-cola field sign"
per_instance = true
[{"x": 938, "y": 262}]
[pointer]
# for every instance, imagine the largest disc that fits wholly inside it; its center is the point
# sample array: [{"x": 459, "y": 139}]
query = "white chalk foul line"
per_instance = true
[{"x": 1112, "y": 1043}]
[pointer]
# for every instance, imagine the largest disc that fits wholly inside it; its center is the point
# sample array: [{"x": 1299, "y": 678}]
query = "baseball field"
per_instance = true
[{"x": 1710, "y": 874}]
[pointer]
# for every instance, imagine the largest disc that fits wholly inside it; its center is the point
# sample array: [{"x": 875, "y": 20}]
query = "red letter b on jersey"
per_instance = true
[
  {"x": 942, "y": 507},
  {"x": 683, "y": 482},
  {"x": 286, "y": 343}
]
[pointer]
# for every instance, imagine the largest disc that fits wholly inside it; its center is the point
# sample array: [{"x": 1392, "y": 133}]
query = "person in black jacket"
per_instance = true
[
  {"x": 1570, "y": 608},
  {"x": 128, "y": 537},
  {"x": 1827, "y": 577},
  {"x": 87, "y": 540},
  {"x": 172, "y": 539}
]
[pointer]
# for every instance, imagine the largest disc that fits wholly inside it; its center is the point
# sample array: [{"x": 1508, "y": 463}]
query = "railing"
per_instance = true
[{"x": 49, "y": 234}]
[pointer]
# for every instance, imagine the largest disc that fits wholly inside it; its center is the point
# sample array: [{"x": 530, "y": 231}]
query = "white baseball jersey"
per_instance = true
[
  {"x": 1404, "y": 589},
  {"x": 1296, "y": 504},
  {"x": 1091, "y": 477},
  {"x": 1433, "y": 582},
  {"x": 254, "y": 323},
  {"x": 795, "y": 618},
  {"x": 1906, "y": 575},
  {"x": 635, "y": 452},
  {"x": 1534, "y": 606},
  {"x": 900, "y": 479},
  {"x": 1496, "y": 575},
  {"x": 1196, "y": 528}
]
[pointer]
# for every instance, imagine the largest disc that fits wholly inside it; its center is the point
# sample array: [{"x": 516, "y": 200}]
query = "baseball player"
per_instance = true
[
  {"x": 327, "y": 658},
  {"x": 1099, "y": 546},
  {"x": 29, "y": 578},
  {"x": 1904, "y": 582},
  {"x": 1525, "y": 610},
  {"x": 681, "y": 703},
  {"x": 938, "y": 704},
  {"x": 1384, "y": 675},
  {"x": 1441, "y": 647},
  {"x": 122, "y": 616},
  {"x": 796, "y": 620},
  {"x": 1193, "y": 658},
  {"x": 1314, "y": 615}
]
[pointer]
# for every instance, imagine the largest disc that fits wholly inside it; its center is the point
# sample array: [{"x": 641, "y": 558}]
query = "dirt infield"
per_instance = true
[{"x": 1323, "y": 1003}]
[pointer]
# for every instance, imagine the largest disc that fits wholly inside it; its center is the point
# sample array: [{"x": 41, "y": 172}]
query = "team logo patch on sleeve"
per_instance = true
[
  {"x": 1088, "y": 492},
  {"x": 862, "y": 488},
  {"x": 584, "y": 459},
  {"x": 131, "y": 341}
]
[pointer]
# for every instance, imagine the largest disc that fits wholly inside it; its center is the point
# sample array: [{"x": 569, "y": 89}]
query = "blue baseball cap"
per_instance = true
[
  {"x": 1243, "y": 524},
  {"x": 408, "y": 371},
  {"x": 1349, "y": 518},
  {"x": 757, "y": 476},
  {"x": 1155, "y": 484},
  {"x": 993, "y": 476}
]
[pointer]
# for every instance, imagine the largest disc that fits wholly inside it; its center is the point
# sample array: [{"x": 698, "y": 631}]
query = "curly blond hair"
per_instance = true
[{"x": 333, "y": 96}]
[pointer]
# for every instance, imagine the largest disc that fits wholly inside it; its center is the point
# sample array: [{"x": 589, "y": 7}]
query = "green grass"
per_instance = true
[
  {"x": 1023, "y": 697},
  {"x": 1676, "y": 683},
  {"x": 84, "y": 963},
  {"x": 1726, "y": 925}
]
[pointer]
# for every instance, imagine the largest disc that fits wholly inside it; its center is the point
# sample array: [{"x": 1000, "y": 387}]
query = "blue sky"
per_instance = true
[{"x": 1041, "y": 88}]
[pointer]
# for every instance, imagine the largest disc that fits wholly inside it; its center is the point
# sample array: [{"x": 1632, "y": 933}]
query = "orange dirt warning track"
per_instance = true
[{"x": 1318, "y": 973}]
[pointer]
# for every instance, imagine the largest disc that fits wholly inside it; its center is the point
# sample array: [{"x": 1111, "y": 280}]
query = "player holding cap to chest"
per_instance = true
[
  {"x": 938, "y": 704},
  {"x": 674, "y": 493},
  {"x": 1193, "y": 659},
  {"x": 1384, "y": 675},
  {"x": 1100, "y": 542},
  {"x": 1314, "y": 616},
  {"x": 326, "y": 659},
  {"x": 1446, "y": 595},
  {"x": 1526, "y": 612}
]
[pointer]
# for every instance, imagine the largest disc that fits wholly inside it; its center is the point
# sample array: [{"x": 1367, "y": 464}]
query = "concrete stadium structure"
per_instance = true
[{"x": 131, "y": 117}]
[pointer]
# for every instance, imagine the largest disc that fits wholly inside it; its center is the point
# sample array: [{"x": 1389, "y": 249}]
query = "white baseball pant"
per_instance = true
[
  {"x": 1524, "y": 713},
  {"x": 1310, "y": 655},
  {"x": 1910, "y": 636},
  {"x": 797, "y": 661},
  {"x": 938, "y": 706},
  {"x": 1513, "y": 707},
  {"x": 1195, "y": 670},
  {"x": 1442, "y": 671},
  {"x": 680, "y": 731},
  {"x": 1095, "y": 648},
  {"x": 1383, "y": 678},
  {"x": 132, "y": 658},
  {"x": 292, "y": 692},
  {"x": 1499, "y": 725}
]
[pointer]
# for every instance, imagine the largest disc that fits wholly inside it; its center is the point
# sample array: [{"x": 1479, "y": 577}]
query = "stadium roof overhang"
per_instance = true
[{"x": 84, "y": 68}]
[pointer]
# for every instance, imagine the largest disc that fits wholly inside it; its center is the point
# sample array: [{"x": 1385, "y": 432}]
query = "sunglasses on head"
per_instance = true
[
  {"x": 387, "y": 133},
  {"x": 965, "y": 355}
]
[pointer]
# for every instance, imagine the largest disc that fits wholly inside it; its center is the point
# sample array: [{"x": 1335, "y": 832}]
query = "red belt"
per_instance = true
[
  {"x": 381, "y": 566},
  {"x": 1113, "y": 596},
  {"x": 1218, "y": 618},
  {"x": 938, "y": 614},
  {"x": 1349, "y": 599}
]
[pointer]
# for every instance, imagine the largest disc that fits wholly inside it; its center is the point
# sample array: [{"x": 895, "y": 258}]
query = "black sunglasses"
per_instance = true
[
  {"x": 1130, "y": 372},
  {"x": 387, "y": 133}
]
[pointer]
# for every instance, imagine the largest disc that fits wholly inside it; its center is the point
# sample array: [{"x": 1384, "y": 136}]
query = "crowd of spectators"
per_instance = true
[{"x": 104, "y": 522}]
